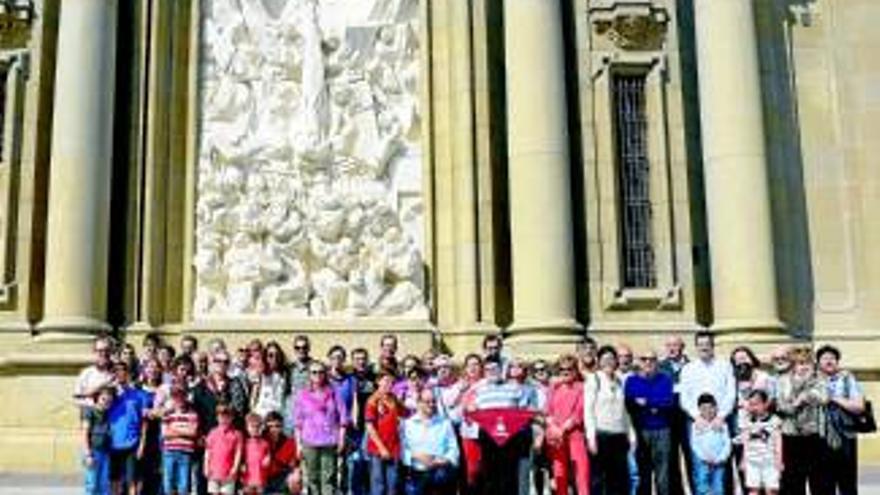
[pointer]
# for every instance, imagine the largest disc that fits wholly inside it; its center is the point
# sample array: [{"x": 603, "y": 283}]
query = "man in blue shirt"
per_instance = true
[
  {"x": 650, "y": 401},
  {"x": 127, "y": 431},
  {"x": 430, "y": 449}
]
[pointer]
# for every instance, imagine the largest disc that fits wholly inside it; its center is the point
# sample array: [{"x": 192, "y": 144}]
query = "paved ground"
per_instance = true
[{"x": 19, "y": 484}]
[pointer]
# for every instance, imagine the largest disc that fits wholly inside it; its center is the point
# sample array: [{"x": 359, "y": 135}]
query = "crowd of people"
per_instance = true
[{"x": 599, "y": 421}]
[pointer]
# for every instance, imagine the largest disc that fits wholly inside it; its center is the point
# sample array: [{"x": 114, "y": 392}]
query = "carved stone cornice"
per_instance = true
[
  {"x": 628, "y": 25},
  {"x": 16, "y": 19}
]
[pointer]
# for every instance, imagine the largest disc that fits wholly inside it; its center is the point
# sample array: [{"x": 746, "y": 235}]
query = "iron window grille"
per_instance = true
[{"x": 638, "y": 265}]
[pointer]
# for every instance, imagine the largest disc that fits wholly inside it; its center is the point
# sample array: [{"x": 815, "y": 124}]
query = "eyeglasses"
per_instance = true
[
  {"x": 300, "y": 347},
  {"x": 221, "y": 361},
  {"x": 648, "y": 358},
  {"x": 566, "y": 369},
  {"x": 317, "y": 372}
]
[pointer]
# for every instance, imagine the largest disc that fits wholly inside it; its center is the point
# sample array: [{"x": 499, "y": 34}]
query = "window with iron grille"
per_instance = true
[{"x": 633, "y": 182}]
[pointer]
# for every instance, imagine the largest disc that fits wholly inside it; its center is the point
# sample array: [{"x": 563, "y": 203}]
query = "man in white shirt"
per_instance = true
[
  {"x": 96, "y": 376},
  {"x": 708, "y": 375}
]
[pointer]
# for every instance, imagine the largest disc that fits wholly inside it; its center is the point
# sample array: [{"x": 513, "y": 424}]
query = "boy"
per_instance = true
[
  {"x": 223, "y": 454},
  {"x": 762, "y": 446},
  {"x": 127, "y": 431},
  {"x": 180, "y": 427},
  {"x": 711, "y": 445},
  {"x": 96, "y": 442}
]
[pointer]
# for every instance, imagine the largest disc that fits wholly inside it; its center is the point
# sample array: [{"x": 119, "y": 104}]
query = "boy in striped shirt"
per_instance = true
[{"x": 179, "y": 433}]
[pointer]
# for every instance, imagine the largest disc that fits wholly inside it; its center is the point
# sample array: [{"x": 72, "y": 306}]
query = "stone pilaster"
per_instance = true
[
  {"x": 735, "y": 164},
  {"x": 538, "y": 166},
  {"x": 79, "y": 183}
]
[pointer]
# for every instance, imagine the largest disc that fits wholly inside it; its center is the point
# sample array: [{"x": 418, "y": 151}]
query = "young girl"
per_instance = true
[
  {"x": 762, "y": 446},
  {"x": 256, "y": 457},
  {"x": 96, "y": 440},
  {"x": 223, "y": 447}
]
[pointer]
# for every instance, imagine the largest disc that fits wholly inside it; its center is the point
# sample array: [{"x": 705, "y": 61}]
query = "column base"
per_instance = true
[
  {"x": 70, "y": 329},
  {"x": 543, "y": 338}
]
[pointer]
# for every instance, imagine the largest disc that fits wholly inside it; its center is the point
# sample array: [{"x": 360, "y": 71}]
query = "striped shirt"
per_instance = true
[
  {"x": 179, "y": 421},
  {"x": 504, "y": 395}
]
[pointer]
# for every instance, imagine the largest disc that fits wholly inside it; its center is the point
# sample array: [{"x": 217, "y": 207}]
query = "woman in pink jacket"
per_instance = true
[{"x": 564, "y": 438}]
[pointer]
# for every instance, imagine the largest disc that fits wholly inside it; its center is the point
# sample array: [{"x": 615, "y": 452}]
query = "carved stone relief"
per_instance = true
[
  {"x": 309, "y": 184},
  {"x": 628, "y": 25}
]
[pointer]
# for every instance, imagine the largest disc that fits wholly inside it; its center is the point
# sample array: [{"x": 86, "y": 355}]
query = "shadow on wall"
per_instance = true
[{"x": 775, "y": 20}]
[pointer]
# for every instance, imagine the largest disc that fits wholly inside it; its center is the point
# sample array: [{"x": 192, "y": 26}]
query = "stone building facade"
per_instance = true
[{"x": 441, "y": 169}]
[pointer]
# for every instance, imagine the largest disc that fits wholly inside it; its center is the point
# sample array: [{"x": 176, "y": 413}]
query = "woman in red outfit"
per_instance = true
[{"x": 565, "y": 441}]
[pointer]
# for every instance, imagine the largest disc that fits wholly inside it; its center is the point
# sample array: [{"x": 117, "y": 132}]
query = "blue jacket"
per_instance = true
[{"x": 658, "y": 396}]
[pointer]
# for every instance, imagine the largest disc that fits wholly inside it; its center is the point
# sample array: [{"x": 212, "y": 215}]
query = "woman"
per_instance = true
[
  {"x": 801, "y": 394},
  {"x": 320, "y": 421},
  {"x": 564, "y": 434},
  {"x": 845, "y": 397},
  {"x": 415, "y": 382},
  {"x": 749, "y": 377},
  {"x": 608, "y": 428},
  {"x": 458, "y": 399},
  {"x": 269, "y": 387},
  {"x": 151, "y": 456}
]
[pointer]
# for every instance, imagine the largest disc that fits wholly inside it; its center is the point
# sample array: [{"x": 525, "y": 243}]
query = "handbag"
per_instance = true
[{"x": 865, "y": 422}]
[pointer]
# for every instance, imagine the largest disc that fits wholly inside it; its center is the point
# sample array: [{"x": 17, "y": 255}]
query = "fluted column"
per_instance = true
[
  {"x": 79, "y": 181},
  {"x": 735, "y": 167},
  {"x": 538, "y": 167}
]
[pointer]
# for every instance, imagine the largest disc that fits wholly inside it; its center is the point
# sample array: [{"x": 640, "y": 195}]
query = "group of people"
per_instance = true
[{"x": 599, "y": 421}]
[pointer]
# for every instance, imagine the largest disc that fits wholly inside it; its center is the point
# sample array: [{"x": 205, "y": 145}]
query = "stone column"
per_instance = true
[
  {"x": 79, "y": 181},
  {"x": 538, "y": 167},
  {"x": 735, "y": 167}
]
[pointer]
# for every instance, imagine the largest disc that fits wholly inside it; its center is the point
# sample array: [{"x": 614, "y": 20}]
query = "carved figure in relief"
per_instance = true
[{"x": 309, "y": 128}]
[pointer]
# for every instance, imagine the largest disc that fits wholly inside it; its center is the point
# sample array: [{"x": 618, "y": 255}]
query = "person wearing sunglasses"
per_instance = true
[
  {"x": 564, "y": 429},
  {"x": 320, "y": 421},
  {"x": 650, "y": 401}
]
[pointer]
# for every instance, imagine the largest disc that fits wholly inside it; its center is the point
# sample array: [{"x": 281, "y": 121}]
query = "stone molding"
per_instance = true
[{"x": 629, "y": 25}]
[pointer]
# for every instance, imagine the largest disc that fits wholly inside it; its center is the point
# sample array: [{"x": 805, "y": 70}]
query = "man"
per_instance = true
[
  {"x": 443, "y": 384},
  {"x": 299, "y": 366},
  {"x": 707, "y": 375},
  {"x": 627, "y": 368},
  {"x": 430, "y": 450},
  {"x": 283, "y": 474},
  {"x": 127, "y": 431},
  {"x": 497, "y": 393},
  {"x": 650, "y": 401},
  {"x": 189, "y": 344},
  {"x": 493, "y": 347},
  {"x": 344, "y": 385},
  {"x": 587, "y": 352},
  {"x": 388, "y": 347},
  {"x": 364, "y": 386},
  {"x": 672, "y": 365},
  {"x": 96, "y": 376}
]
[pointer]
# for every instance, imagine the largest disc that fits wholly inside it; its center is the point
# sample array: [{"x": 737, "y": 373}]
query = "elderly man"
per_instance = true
[
  {"x": 672, "y": 365},
  {"x": 430, "y": 449},
  {"x": 650, "y": 402},
  {"x": 507, "y": 468},
  {"x": 96, "y": 376}
]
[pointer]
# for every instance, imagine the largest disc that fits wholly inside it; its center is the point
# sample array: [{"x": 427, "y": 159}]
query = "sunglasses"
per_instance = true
[
  {"x": 317, "y": 372},
  {"x": 567, "y": 369},
  {"x": 300, "y": 347}
]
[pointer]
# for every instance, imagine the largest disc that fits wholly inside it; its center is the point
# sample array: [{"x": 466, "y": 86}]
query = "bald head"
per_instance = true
[{"x": 674, "y": 347}]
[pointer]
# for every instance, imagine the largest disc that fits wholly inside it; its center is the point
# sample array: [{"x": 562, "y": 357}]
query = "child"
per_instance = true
[
  {"x": 96, "y": 442},
  {"x": 762, "y": 446},
  {"x": 382, "y": 415},
  {"x": 711, "y": 446},
  {"x": 180, "y": 426},
  {"x": 223, "y": 447},
  {"x": 256, "y": 456},
  {"x": 283, "y": 472}
]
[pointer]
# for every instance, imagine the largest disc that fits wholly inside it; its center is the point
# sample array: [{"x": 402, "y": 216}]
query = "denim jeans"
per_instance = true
[
  {"x": 633, "y": 471},
  {"x": 97, "y": 480},
  {"x": 654, "y": 456},
  {"x": 708, "y": 478},
  {"x": 176, "y": 472},
  {"x": 437, "y": 480},
  {"x": 358, "y": 464},
  {"x": 383, "y": 476}
]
